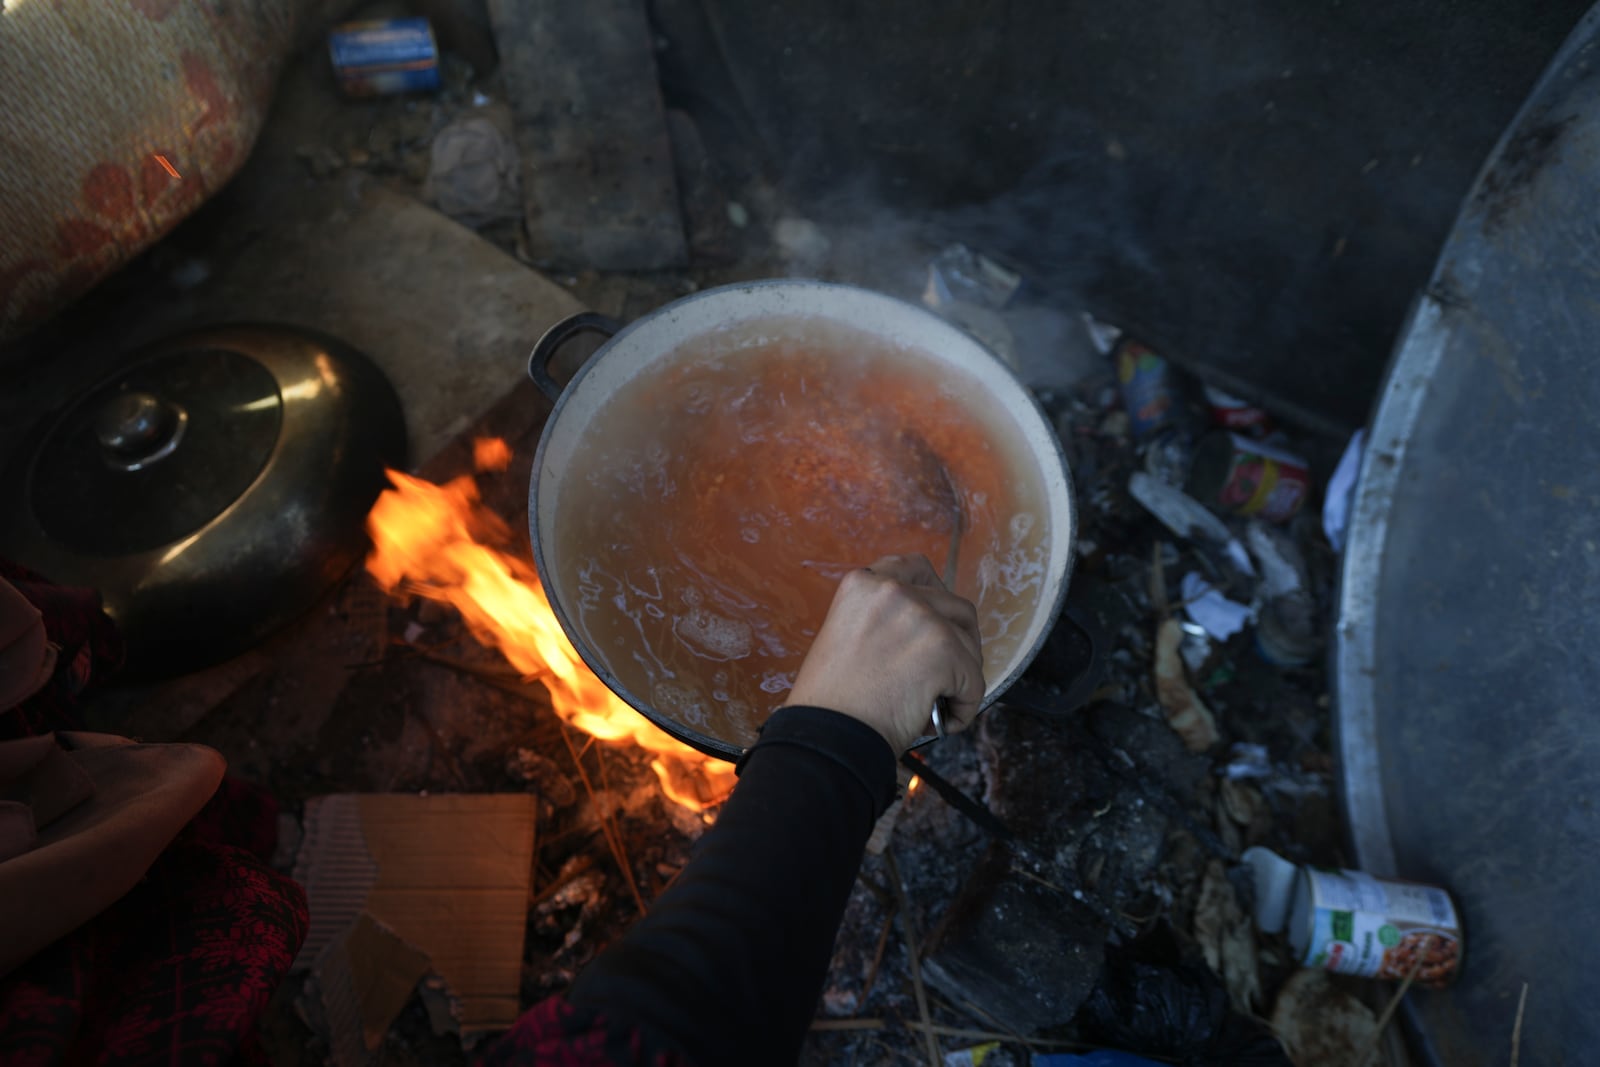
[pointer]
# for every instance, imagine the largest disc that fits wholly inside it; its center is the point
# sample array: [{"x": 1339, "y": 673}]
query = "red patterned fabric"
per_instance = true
[
  {"x": 177, "y": 971},
  {"x": 553, "y": 1033},
  {"x": 121, "y": 118}
]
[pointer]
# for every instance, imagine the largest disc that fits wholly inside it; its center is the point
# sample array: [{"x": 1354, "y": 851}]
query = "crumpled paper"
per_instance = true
[
  {"x": 472, "y": 174},
  {"x": 1221, "y": 617}
]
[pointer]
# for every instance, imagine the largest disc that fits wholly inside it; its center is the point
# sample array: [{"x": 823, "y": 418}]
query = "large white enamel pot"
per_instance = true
[{"x": 640, "y": 349}]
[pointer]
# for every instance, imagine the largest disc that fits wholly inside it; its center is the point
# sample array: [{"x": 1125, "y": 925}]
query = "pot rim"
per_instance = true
[{"x": 717, "y": 747}]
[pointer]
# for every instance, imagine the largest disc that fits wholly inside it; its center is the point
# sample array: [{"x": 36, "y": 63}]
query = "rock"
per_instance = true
[{"x": 1010, "y": 947}]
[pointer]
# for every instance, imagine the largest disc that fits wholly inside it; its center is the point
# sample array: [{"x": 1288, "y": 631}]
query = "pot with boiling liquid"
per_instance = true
[{"x": 716, "y": 466}]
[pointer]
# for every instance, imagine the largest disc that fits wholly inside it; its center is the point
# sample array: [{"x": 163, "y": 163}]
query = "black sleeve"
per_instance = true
[{"x": 730, "y": 961}]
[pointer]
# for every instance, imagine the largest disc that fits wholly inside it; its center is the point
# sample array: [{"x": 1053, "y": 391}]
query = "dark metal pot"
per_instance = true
[
  {"x": 212, "y": 490},
  {"x": 642, "y": 346}
]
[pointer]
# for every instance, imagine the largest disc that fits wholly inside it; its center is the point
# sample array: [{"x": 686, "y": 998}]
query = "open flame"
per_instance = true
[{"x": 439, "y": 540}]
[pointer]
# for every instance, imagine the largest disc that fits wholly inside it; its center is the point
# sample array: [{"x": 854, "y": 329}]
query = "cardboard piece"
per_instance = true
[
  {"x": 446, "y": 874},
  {"x": 365, "y": 978}
]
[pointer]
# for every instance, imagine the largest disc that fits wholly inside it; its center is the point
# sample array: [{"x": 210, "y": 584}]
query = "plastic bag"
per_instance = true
[{"x": 1177, "y": 1013}]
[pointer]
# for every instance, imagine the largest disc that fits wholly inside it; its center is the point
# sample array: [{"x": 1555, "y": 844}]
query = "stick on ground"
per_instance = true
[
  {"x": 1405, "y": 987},
  {"x": 1516, "y": 1027},
  {"x": 613, "y": 838},
  {"x": 913, "y": 958}
]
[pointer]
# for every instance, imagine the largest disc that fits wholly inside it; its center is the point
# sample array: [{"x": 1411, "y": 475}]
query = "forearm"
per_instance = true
[{"x": 730, "y": 961}]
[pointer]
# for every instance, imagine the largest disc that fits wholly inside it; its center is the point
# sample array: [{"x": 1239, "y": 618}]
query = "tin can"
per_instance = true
[
  {"x": 1149, "y": 388},
  {"x": 1232, "y": 413},
  {"x": 1248, "y": 477},
  {"x": 385, "y": 56},
  {"x": 1351, "y": 923}
]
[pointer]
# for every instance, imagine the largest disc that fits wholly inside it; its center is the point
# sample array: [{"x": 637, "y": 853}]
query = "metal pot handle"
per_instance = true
[{"x": 556, "y": 336}]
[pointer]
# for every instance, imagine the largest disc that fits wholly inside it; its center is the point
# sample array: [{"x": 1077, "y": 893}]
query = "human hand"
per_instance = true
[{"x": 894, "y": 641}]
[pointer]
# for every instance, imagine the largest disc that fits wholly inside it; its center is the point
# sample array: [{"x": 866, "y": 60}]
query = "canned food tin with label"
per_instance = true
[
  {"x": 1247, "y": 477},
  {"x": 1232, "y": 413},
  {"x": 1148, "y": 388},
  {"x": 1351, "y": 923}
]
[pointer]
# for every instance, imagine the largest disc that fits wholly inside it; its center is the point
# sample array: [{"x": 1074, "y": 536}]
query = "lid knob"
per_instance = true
[{"x": 135, "y": 429}]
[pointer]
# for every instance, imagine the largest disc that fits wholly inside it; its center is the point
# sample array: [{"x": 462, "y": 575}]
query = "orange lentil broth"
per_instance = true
[{"x": 722, "y": 495}]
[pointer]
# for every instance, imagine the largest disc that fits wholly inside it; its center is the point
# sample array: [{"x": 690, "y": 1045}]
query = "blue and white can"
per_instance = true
[{"x": 385, "y": 56}]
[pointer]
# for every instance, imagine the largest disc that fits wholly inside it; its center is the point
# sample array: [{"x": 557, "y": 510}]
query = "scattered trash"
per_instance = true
[
  {"x": 960, "y": 275},
  {"x": 968, "y": 289},
  {"x": 1115, "y": 424},
  {"x": 1102, "y": 334},
  {"x": 481, "y": 99},
  {"x": 1232, "y": 413},
  {"x": 1247, "y": 761},
  {"x": 1168, "y": 457},
  {"x": 1319, "y": 1024},
  {"x": 385, "y": 56},
  {"x": 976, "y": 1056},
  {"x": 1186, "y": 713},
  {"x": 1280, "y": 564},
  {"x": 1242, "y": 476},
  {"x": 738, "y": 215},
  {"x": 1286, "y": 633},
  {"x": 1149, "y": 388},
  {"x": 473, "y": 173},
  {"x": 1349, "y": 922},
  {"x": 1196, "y": 646},
  {"x": 1189, "y": 520},
  {"x": 1221, "y": 617},
  {"x": 1341, "y": 491}
]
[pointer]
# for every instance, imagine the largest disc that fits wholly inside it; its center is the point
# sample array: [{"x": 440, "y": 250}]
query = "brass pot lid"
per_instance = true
[{"x": 212, "y": 489}]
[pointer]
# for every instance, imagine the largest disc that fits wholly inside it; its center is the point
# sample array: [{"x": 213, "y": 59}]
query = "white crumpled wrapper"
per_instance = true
[{"x": 472, "y": 174}]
